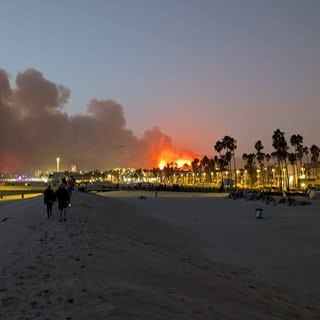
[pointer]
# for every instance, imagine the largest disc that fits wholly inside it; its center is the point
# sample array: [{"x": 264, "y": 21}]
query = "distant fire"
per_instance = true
[{"x": 175, "y": 159}]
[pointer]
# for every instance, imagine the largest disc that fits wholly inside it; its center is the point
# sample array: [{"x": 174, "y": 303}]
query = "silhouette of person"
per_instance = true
[
  {"x": 48, "y": 200},
  {"x": 70, "y": 185},
  {"x": 63, "y": 198},
  {"x": 64, "y": 181}
]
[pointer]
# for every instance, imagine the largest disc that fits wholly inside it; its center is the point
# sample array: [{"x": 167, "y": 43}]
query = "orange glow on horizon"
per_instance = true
[{"x": 178, "y": 159}]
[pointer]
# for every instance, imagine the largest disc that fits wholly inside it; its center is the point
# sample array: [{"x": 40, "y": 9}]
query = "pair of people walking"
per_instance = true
[{"x": 62, "y": 196}]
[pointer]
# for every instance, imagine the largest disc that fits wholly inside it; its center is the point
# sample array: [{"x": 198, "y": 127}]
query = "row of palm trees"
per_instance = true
[{"x": 270, "y": 167}]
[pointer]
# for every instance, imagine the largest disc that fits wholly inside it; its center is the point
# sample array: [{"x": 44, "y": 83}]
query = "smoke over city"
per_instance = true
[{"x": 35, "y": 130}]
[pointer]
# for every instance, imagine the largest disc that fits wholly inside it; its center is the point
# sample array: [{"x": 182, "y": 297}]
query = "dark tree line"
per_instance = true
[
  {"x": 260, "y": 168},
  {"x": 258, "y": 164}
]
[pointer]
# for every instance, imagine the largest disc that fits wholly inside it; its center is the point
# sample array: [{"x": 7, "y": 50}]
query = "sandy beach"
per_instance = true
[{"x": 174, "y": 256}]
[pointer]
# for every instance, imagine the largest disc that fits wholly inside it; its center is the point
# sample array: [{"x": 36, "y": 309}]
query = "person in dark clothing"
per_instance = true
[
  {"x": 63, "y": 198},
  {"x": 64, "y": 181},
  {"x": 48, "y": 199}
]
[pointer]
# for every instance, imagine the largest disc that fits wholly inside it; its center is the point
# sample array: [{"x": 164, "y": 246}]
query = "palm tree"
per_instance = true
[
  {"x": 268, "y": 158},
  {"x": 195, "y": 165},
  {"x": 229, "y": 144},
  {"x": 250, "y": 166},
  {"x": 300, "y": 157},
  {"x": 315, "y": 152},
  {"x": 292, "y": 157},
  {"x": 218, "y": 147},
  {"x": 260, "y": 157},
  {"x": 281, "y": 152},
  {"x": 297, "y": 142},
  {"x": 221, "y": 163},
  {"x": 210, "y": 169},
  {"x": 306, "y": 153},
  {"x": 204, "y": 163}
]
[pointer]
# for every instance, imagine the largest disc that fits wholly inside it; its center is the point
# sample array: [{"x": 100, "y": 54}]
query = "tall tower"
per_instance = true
[{"x": 58, "y": 164}]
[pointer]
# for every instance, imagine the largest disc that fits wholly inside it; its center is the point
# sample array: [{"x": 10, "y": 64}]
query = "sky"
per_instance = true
[{"x": 130, "y": 77}]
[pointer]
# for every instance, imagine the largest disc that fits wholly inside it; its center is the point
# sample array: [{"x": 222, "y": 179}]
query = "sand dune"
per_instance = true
[{"x": 120, "y": 257}]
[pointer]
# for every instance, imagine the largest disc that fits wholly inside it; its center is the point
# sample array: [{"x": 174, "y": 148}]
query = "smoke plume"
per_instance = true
[{"x": 35, "y": 130}]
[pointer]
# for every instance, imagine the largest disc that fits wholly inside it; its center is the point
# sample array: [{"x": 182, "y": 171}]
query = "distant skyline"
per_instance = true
[{"x": 189, "y": 72}]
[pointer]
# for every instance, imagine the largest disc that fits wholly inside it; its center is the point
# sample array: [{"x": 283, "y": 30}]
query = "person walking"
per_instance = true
[
  {"x": 70, "y": 185},
  {"x": 48, "y": 199},
  {"x": 63, "y": 198}
]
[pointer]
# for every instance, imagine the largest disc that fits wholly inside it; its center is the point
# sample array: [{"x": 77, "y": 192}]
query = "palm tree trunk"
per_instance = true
[{"x": 235, "y": 171}]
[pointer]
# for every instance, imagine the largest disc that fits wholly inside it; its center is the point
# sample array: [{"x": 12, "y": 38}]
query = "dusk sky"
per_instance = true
[{"x": 197, "y": 70}]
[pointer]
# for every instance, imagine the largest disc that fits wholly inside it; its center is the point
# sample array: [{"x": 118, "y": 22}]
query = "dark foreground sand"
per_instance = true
[{"x": 116, "y": 259}]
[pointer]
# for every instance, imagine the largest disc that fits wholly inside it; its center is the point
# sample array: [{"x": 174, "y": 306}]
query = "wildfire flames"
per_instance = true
[{"x": 173, "y": 158}]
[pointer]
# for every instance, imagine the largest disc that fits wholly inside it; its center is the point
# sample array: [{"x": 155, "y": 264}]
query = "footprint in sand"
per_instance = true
[
  {"x": 33, "y": 304},
  {"x": 44, "y": 293},
  {"x": 70, "y": 300},
  {"x": 31, "y": 267},
  {"x": 9, "y": 301}
]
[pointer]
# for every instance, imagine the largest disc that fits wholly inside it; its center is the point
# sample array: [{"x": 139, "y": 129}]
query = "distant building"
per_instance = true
[{"x": 56, "y": 177}]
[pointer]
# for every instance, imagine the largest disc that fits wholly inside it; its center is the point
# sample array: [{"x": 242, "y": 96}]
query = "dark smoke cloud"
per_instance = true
[{"x": 34, "y": 130}]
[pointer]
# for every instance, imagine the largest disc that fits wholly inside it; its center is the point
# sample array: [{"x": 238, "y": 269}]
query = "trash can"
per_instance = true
[{"x": 258, "y": 212}]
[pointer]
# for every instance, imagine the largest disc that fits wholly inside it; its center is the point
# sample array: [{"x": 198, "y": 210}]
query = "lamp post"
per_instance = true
[
  {"x": 58, "y": 164},
  {"x": 237, "y": 173}
]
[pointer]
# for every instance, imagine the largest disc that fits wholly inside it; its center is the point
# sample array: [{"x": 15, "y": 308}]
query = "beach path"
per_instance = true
[{"x": 113, "y": 259}]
